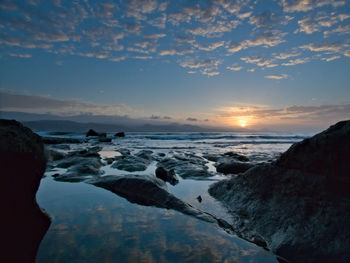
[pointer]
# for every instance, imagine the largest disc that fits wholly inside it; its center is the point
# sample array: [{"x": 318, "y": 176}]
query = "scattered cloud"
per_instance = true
[
  {"x": 307, "y": 5},
  {"x": 282, "y": 76},
  {"x": 297, "y": 61},
  {"x": 191, "y": 119},
  {"x": 234, "y": 67}
]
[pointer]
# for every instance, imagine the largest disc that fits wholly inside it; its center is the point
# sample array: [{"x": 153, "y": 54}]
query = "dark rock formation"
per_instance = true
[
  {"x": 119, "y": 134},
  {"x": 91, "y": 132},
  {"x": 133, "y": 163},
  {"x": 231, "y": 165},
  {"x": 151, "y": 191},
  {"x": 299, "y": 205},
  {"x": 167, "y": 176},
  {"x": 81, "y": 165},
  {"x": 237, "y": 156},
  {"x": 23, "y": 224},
  {"x": 58, "y": 140},
  {"x": 186, "y": 166}
]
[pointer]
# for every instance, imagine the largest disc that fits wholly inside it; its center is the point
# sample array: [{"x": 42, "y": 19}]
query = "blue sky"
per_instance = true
[{"x": 263, "y": 64}]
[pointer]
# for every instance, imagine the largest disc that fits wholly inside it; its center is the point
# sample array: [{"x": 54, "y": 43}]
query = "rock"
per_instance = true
[
  {"x": 58, "y": 140},
  {"x": 133, "y": 163},
  {"x": 298, "y": 205},
  {"x": 22, "y": 223},
  {"x": 109, "y": 160},
  {"x": 229, "y": 165},
  {"x": 130, "y": 164},
  {"x": 55, "y": 155},
  {"x": 151, "y": 191},
  {"x": 199, "y": 198},
  {"x": 91, "y": 132},
  {"x": 211, "y": 157},
  {"x": 167, "y": 176},
  {"x": 237, "y": 156},
  {"x": 119, "y": 134},
  {"x": 81, "y": 165},
  {"x": 186, "y": 166}
]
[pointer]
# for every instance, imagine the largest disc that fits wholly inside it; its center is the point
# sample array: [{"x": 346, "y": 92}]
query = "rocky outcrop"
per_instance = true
[
  {"x": 151, "y": 191},
  {"x": 298, "y": 205},
  {"x": 91, "y": 132},
  {"x": 166, "y": 176},
  {"x": 231, "y": 165},
  {"x": 119, "y": 134},
  {"x": 186, "y": 165},
  {"x": 23, "y": 224},
  {"x": 81, "y": 165}
]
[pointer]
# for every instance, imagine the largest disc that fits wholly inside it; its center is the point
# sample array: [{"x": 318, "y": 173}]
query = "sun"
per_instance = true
[{"x": 243, "y": 125}]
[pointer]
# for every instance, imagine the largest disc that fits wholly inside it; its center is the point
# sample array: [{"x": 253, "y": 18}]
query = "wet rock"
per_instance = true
[
  {"x": 186, "y": 166},
  {"x": 300, "y": 204},
  {"x": 133, "y": 163},
  {"x": 57, "y": 140},
  {"x": 119, "y": 134},
  {"x": 211, "y": 157},
  {"x": 80, "y": 165},
  {"x": 237, "y": 156},
  {"x": 149, "y": 191},
  {"x": 22, "y": 223},
  {"x": 167, "y": 176},
  {"x": 91, "y": 132},
  {"x": 55, "y": 155},
  {"x": 145, "y": 154},
  {"x": 130, "y": 164},
  {"x": 109, "y": 160},
  {"x": 199, "y": 198},
  {"x": 229, "y": 165}
]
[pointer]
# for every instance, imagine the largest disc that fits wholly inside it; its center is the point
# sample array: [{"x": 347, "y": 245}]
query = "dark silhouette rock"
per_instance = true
[
  {"x": 186, "y": 166},
  {"x": 119, "y": 134},
  {"x": 229, "y": 165},
  {"x": 91, "y": 132},
  {"x": 58, "y": 140},
  {"x": 298, "y": 205},
  {"x": 167, "y": 176},
  {"x": 199, "y": 198},
  {"x": 23, "y": 224}
]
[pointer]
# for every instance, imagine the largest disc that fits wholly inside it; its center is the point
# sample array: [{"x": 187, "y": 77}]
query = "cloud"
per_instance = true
[
  {"x": 234, "y": 67},
  {"x": 298, "y": 114},
  {"x": 333, "y": 47},
  {"x": 331, "y": 58},
  {"x": 297, "y": 61},
  {"x": 214, "y": 30},
  {"x": 10, "y": 101},
  {"x": 268, "y": 19},
  {"x": 282, "y": 76},
  {"x": 286, "y": 55},
  {"x": 306, "y": 5},
  {"x": 191, "y": 119},
  {"x": 211, "y": 46},
  {"x": 21, "y": 55}
]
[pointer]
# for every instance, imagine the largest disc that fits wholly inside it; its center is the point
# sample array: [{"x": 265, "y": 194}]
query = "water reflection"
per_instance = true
[{"x": 94, "y": 225}]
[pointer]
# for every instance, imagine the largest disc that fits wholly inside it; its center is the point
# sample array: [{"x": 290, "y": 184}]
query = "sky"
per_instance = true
[{"x": 264, "y": 64}]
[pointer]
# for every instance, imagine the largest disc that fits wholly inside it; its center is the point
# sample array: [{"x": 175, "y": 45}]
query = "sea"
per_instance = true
[{"x": 90, "y": 224}]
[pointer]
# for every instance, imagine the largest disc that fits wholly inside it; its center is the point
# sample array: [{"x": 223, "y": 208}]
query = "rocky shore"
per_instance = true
[
  {"x": 22, "y": 223},
  {"x": 299, "y": 205}
]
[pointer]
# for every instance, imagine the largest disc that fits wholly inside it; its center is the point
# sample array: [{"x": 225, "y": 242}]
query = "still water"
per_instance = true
[{"x": 90, "y": 224}]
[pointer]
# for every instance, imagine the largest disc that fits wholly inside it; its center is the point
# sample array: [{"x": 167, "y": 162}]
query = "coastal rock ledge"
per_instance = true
[
  {"x": 299, "y": 204},
  {"x": 22, "y": 223}
]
